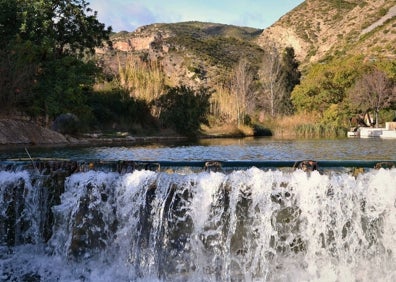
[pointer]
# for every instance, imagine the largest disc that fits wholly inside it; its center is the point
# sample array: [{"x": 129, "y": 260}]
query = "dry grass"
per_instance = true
[
  {"x": 227, "y": 130},
  {"x": 292, "y": 122},
  {"x": 143, "y": 80},
  {"x": 300, "y": 125},
  {"x": 224, "y": 105},
  {"x": 304, "y": 125},
  {"x": 287, "y": 126}
]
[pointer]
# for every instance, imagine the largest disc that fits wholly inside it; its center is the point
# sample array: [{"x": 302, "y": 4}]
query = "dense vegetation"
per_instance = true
[
  {"x": 184, "y": 109},
  {"x": 334, "y": 91},
  {"x": 48, "y": 68},
  {"x": 45, "y": 58},
  {"x": 248, "y": 85},
  {"x": 207, "y": 30}
]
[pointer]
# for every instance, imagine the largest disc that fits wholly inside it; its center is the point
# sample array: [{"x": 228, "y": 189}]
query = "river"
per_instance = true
[
  {"x": 224, "y": 149},
  {"x": 249, "y": 224}
]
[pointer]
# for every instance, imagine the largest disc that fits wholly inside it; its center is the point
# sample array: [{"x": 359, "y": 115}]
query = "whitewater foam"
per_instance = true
[{"x": 247, "y": 225}]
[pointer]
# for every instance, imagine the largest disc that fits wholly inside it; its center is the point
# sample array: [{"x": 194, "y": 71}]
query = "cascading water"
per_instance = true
[{"x": 244, "y": 225}]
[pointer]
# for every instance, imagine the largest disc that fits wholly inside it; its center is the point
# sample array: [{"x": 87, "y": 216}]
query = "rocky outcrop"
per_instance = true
[
  {"x": 142, "y": 39},
  {"x": 282, "y": 37},
  {"x": 19, "y": 132},
  {"x": 201, "y": 54},
  {"x": 317, "y": 29}
]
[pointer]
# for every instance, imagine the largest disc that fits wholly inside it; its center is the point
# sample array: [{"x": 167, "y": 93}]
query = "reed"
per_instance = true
[
  {"x": 223, "y": 106},
  {"x": 320, "y": 130},
  {"x": 143, "y": 80},
  {"x": 304, "y": 125}
]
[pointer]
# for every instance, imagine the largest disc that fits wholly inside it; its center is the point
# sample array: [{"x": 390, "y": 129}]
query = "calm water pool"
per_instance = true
[{"x": 225, "y": 149}]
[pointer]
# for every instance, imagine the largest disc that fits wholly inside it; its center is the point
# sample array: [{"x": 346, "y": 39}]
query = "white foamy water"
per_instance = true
[{"x": 247, "y": 225}]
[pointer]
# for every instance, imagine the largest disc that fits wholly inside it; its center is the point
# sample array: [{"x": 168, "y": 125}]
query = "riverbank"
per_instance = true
[
  {"x": 20, "y": 133},
  {"x": 23, "y": 133}
]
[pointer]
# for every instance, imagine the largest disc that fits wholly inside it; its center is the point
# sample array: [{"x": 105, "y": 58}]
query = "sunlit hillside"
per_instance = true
[{"x": 318, "y": 29}]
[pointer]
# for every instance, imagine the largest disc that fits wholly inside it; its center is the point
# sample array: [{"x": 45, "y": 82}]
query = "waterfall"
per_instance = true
[{"x": 243, "y": 225}]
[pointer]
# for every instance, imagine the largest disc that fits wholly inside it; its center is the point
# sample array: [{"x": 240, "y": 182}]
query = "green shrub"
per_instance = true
[
  {"x": 184, "y": 109},
  {"x": 116, "y": 108},
  {"x": 259, "y": 130}
]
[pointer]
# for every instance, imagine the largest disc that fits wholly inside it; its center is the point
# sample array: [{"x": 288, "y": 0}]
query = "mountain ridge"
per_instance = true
[
  {"x": 194, "y": 53},
  {"x": 203, "y": 54},
  {"x": 190, "y": 53}
]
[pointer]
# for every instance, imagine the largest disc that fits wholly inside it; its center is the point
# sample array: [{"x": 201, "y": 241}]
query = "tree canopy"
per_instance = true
[
  {"x": 44, "y": 55},
  {"x": 184, "y": 109},
  {"x": 326, "y": 84},
  {"x": 279, "y": 76},
  {"x": 341, "y": 87},
  {"x": 61, "y": 27}
]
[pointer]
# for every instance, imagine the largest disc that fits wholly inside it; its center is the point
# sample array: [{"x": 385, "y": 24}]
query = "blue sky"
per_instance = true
[{"x": 131, "y": 14}]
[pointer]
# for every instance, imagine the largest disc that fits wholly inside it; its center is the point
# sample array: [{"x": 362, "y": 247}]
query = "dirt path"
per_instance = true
[{"x": 391, "y": 13}]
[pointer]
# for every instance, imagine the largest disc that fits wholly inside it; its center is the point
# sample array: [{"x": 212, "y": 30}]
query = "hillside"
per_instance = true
[
  {"x": 190, "y": 53},
  {"x": 245, "y": 80},
  {"x": 345, "y": 36},
  {"x": 197, "y": 53},
  {"x": 321, "y": 28}
]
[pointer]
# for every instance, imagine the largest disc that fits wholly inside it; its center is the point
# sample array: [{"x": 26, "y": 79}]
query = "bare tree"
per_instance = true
[
  {"x": 271, "y": 77},
  {"x": 374, "y": 91},
  {"x": 240, "y": 87}
]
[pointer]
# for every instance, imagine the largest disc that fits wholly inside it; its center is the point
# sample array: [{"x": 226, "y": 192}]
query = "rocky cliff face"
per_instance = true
[
  {"x": 142, "y": 39},
  {"x": 320, "y": 28}
]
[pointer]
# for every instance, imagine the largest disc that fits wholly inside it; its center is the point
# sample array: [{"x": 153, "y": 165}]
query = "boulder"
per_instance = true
[{"x": 66, "y": 124}]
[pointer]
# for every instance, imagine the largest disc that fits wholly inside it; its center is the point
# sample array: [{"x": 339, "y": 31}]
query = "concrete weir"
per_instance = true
[{"x": 126, "y": 166}]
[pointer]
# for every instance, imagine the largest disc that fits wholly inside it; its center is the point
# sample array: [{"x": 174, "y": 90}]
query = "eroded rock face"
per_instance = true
[
  {"x": 316, "y": 29},
  {"x": 143, "y": 39},
  {"x": 284, "y": 37},
  {"x": 14, "y": 132}
]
